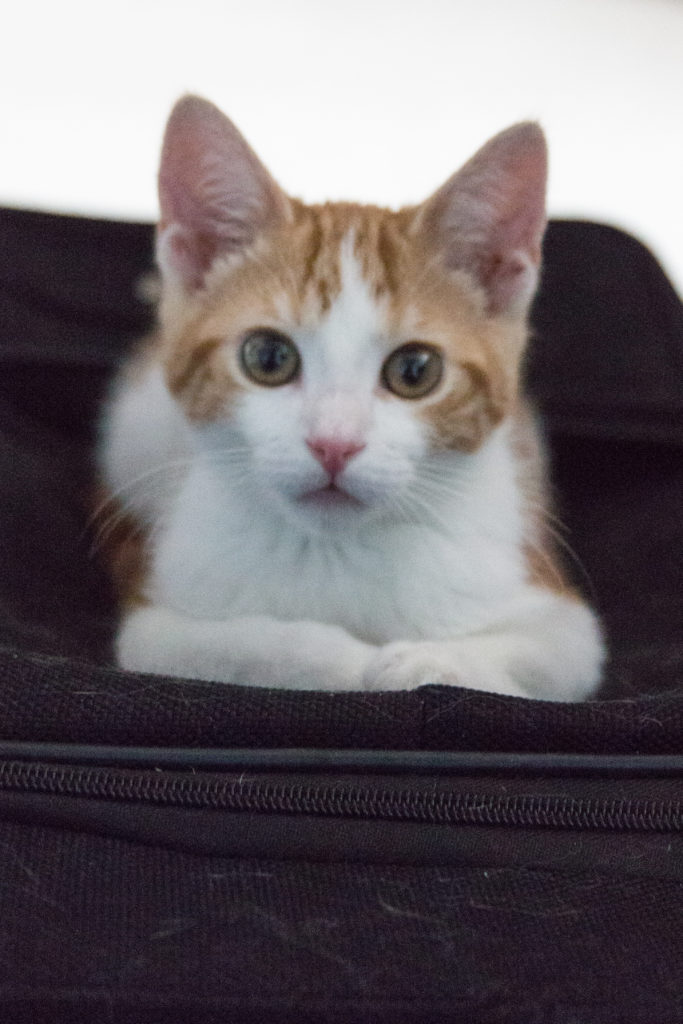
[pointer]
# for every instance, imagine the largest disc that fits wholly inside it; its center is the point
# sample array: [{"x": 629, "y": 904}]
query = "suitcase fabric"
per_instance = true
[{"x": 181, "y": 851}]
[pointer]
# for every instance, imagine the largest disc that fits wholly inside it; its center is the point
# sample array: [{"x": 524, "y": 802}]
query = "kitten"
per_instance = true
[{"x": 333, "y": 478}]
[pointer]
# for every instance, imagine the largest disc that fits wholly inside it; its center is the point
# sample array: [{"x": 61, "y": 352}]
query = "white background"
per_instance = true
[{"x": 378, "y": 100}]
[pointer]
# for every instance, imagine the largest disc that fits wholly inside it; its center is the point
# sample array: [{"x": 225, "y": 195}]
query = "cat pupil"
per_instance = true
[
  {"x": 273, "y": 353},
  {"x": 413, "y": 368}
]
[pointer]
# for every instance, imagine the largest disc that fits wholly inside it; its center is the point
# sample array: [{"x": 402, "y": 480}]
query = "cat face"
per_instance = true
[
  {"x": 325, "y": 395},
  {"x": 339, "y": 356}
]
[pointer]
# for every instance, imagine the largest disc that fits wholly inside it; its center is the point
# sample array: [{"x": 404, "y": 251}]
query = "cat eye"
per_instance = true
[
  {"x": 413, "y": 370},
  {"x": 269, "y": 358}
]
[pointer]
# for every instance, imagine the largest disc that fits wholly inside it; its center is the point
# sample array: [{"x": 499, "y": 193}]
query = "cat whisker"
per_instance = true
[
  {"x": 113, "y": 523},
  {"x": 417, "y": 506},
  {"x": 541, "y": 509},
  {"x": 178, "y": 465},
  {"x": 571, "y": 556},
  {"x": 227, "y": 455},
  {"x": 443, "y": 493},
  {"x": 170, "y": 471},
  {"x": 548, "y": 561},
  {"x": 119, "y": 506}
]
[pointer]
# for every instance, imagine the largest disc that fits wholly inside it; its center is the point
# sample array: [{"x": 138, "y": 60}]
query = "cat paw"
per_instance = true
[{"x": 407, "y": 665}]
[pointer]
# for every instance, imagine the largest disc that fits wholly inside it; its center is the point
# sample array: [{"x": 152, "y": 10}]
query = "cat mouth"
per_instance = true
[{"x": 330, "y": 496}]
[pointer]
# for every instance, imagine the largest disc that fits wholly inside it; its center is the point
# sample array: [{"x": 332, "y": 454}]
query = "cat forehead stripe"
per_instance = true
[
  {"x": 330, "y": 236},
  {"x": 355, "y": 316}
]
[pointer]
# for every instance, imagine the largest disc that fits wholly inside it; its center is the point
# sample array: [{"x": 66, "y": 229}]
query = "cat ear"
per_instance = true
[
  {"x": 215, "y": 194},
  {"x": 489, "y": 218}
]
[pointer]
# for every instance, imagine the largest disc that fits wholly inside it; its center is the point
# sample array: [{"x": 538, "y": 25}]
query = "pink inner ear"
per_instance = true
[
  {"x": 215, "y": 194},
  {"x": 490, "y": 216},
  {"x": 189, "y": 254},
  {"x": 505, "y": 278}
]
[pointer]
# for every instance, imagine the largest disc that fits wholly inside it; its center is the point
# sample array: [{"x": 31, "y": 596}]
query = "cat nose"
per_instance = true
[{"x": 332, "y": 454}]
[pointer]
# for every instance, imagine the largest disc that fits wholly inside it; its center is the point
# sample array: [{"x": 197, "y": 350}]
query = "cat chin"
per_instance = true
[
  {"x": 331, "y": 498},
  {"x": 328, "y": 509}
]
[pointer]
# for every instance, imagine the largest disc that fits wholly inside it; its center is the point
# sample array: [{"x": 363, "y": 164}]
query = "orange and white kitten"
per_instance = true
[{"x": 324, "y": 449}]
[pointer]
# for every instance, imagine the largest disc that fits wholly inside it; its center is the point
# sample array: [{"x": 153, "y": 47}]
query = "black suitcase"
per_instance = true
[{"x": 191, "y": 853}]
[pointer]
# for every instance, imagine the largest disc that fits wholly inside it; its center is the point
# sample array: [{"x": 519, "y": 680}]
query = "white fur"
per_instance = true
[
  {"x": 144, "y": 445},
  {"x": 424, "y": 581}
]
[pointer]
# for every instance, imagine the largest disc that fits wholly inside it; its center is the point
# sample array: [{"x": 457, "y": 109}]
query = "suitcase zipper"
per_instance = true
[{"x": 342, "y": 799}]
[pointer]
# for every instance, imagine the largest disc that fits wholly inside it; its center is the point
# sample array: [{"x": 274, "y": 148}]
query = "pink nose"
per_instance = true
[{"x": 333, "y": 455}]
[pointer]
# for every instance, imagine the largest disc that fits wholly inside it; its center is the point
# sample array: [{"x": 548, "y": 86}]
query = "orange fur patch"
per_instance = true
[
  {"x": 123, "y": 549},
  {"x": 541, "y": 553}
]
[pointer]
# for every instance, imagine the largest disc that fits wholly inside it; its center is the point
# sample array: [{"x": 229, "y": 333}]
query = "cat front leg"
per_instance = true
[
  {"x": 252, "y": 651},
  {"x": 551, "y": 649}
]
